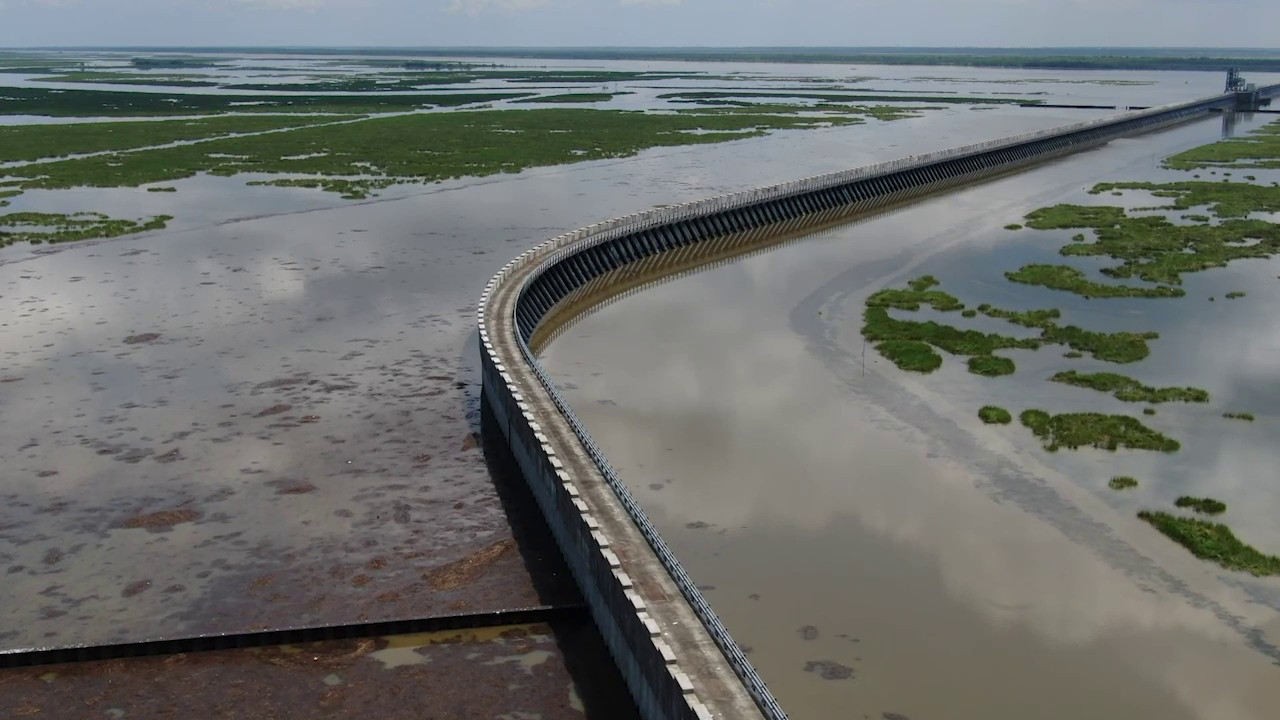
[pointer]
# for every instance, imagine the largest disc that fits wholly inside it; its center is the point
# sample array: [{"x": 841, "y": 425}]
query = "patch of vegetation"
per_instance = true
[
  {"x": 1129, "y": 390},
  {"x": 120, "y": 78},
  {"x": 910, "y": 355},
  {"x": 1065, "y": 277},
  {"x": 1122, "y": 482},
  {"x": 1075, "y": 430},
  {"x": 102, "y": 103},
  {"x": 1026, "y": 318},
  {"x": 993, "y": 415},
  {"x": 1235, "y": 294},
  {"x": 970, "y": 313},
  {"x": 1122, "y": 347},
  {"x": 1013, "y": 226},
  {"x": 1238, "y": 416},
  {"x": 1151, "y": 247},
  {"x": 1197, "y": 218},
  {"x": 880, "y": 327},
  {"x": 919, "y": 293},
  {"x": 38, "y": 228},
  {"x": 1213, "y": 541},
  {"x": 36, "y": 142},
  {"x": 1207, "y": 506},
  {"x": 1148, "y": 411},
  {"x": 990, "y": 365},
  {"x": 162, "y": 189},
  {"x": 1259, "y": 149},
  {"x": 360, "y": 157},
  {"x": 1225, "y": 199}
]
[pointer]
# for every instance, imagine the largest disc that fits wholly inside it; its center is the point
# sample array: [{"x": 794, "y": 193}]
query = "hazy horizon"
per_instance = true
[{"x": 638, "y": 23}]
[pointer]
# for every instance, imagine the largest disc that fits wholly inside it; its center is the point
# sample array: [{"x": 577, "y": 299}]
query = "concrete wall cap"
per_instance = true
[
  {"x": 623, "y": 579},
  {"x": 682, "y": 680},
  {"x": 647, "y": 620},
  {"x": 664, "y": 650},
  {"x": 700, "y": 711}
]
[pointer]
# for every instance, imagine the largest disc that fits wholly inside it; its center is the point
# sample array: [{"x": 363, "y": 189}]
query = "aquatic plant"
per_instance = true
[
  {"x": 1122, "y": 482},
  {"x": 1238, "y": 416},
  {"x": 1208, "y": 506},
  {"x": 993, "y": 415},
  {"x": 910, "y": 355},
  {"x": 39, "y": 228},
  {"x": 1108, "y": 432},
  {"x": 360, "y": 157},
  {"x": 990, "y": 365},
  {"x": 1130, "y": 390},
  {"x": 1213, "y": 541},
  {"x": 1065, "y": 277}
]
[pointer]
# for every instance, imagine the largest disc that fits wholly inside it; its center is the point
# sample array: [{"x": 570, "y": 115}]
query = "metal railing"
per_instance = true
[{"x": 577, "y": 241}]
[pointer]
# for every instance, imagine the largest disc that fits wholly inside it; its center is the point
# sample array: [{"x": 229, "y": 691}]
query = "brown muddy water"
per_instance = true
[
  {"x": 267, "y": 415},
  {"x": 881, "y": 552}
]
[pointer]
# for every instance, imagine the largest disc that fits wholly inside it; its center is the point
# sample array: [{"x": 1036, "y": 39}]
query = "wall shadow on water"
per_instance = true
[{"x": 599, "y": 684}]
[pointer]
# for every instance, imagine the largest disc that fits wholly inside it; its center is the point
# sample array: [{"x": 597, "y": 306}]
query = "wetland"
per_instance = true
[{"x": 265, "y": 412}]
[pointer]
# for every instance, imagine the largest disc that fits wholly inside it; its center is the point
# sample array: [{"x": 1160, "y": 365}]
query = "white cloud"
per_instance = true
[
  {"x": 287, "y": 4},
  {"x": 477, "y": 7}
]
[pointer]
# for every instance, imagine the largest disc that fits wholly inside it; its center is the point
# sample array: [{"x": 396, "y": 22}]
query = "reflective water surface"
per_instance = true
[
  {"x": 880, "y": 550},
  {"x": 265, "y": 416}
]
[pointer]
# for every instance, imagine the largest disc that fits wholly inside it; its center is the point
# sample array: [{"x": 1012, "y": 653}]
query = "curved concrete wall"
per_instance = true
[{"x": 676, "y": 656}]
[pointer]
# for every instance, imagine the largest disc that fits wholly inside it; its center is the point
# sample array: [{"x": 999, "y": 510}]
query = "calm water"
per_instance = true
[
  {"x": 845, "y": 514},
  {"x": 297, "y": 374},
  {"x": 294, "y": 376}
]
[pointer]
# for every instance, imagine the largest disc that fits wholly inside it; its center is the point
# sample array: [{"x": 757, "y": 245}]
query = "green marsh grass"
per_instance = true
[
  {"x": 993, "y": 415},
  {"x": 1107, "y": 432},
  {"x": 1213, "y": 541}
]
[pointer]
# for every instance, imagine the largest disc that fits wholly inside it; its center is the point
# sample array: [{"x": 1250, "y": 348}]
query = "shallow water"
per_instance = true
[
  {"x": 848, "y": 519},
  {"x": 152, "y": 373},
  {"x": 310, "y": 389}
]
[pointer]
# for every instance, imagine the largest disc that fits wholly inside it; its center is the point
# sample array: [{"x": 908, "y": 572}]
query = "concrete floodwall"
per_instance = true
[{"x": 672, "y": 670}]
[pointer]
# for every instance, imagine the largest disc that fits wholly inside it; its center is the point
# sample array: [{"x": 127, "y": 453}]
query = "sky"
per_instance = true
[{"x": 1003, "y": 23}]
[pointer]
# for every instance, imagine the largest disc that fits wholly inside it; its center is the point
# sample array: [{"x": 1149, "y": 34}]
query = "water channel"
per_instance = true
[{"x": 884, "y": 553}]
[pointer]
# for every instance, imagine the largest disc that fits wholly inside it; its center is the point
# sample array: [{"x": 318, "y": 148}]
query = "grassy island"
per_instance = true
[
  {"x": 1108, "y": 432},
  {"x": 1258, "y": 149},
  {"x": 993, "y": 415},
  {"x": 1130, "y": 390},
  {"x": 38, "y": 228},
  {"x": 358, "y": 158},
  {"x": 1213, "y": 541},
  {"x": 1208, "y": 506},
  {"x": 1122, "y": 482}
]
